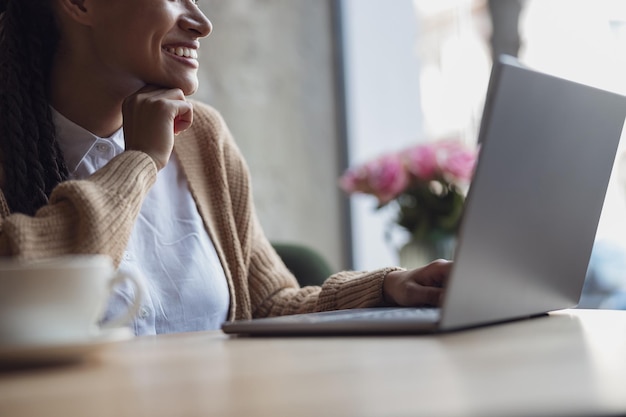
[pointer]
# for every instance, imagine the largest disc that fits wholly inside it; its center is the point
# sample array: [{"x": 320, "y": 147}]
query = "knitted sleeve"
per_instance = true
[
  {"x": 95, "y": 215},
  {"x": 272, "y": 289}
]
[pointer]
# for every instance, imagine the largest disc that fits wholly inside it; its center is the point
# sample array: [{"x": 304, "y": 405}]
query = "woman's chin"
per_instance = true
[
  {"x": 190, "y": 90},
  {"x": 188, "y": 86}
]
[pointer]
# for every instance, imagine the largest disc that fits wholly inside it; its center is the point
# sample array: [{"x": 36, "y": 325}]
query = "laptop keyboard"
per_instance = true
[{"x": 426, "y": 314}]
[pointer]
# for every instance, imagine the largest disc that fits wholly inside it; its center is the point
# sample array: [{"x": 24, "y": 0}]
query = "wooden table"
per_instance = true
[{"x": 570, "y": 363}]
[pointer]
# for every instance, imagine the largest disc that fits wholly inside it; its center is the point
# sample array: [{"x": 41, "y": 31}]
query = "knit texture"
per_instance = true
[{"x": 96, "y": 215}]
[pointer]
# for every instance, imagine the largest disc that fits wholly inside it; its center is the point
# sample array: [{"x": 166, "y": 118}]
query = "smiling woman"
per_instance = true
[
  {"x": 96, "y": 93},
  {"x": 127, "y": 44}
]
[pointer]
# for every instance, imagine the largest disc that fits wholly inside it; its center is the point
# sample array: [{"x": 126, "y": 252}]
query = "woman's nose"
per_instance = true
[{"x": 197, "y": 22}]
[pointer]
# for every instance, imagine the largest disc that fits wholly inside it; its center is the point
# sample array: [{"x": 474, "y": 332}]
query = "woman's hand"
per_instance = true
[
  {"x": 152, "y": 116},
  {"x": 417, "y": 287}
]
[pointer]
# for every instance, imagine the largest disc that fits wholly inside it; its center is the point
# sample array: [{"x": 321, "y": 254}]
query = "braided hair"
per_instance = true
[{"x": 30, "y": 158}]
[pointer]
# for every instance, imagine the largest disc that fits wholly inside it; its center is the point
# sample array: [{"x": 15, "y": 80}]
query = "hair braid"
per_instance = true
[
  {"x": 52, "y": 161},
  {"x": 31, "y": 160}
]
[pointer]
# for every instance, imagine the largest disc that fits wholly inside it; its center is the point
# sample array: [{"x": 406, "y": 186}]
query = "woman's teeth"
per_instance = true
[{"x": 183, "y": 52}]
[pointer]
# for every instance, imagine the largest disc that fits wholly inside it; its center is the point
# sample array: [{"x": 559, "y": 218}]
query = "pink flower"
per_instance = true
[
  {"x": 433, "y": 176},
  {"x": 387, "y": 177},
  {"x": 351, "y": 180},
  {"x": 457, "y": 164},
  {"x": 421, "y": 161}
]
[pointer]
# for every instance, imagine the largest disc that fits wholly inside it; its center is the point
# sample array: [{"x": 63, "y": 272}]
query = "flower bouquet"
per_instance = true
[{"x": 427, "y": 182}]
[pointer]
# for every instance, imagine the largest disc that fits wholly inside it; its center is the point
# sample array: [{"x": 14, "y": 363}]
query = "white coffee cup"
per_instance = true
[{"x": 59, "y": 300}]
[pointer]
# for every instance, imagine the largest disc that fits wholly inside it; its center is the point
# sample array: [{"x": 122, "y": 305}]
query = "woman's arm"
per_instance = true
[
  {"x": 272, "y": 289},
  {"x": 95, "y": 215},
  {"x": 261, "y": 283}
]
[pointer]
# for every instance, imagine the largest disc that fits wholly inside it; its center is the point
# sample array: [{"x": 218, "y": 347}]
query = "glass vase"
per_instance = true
[{"x": 418, "y": 252}]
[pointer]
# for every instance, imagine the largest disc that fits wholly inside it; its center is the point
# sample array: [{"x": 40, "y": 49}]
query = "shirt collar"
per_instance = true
[{"x": 76, "y": 142}]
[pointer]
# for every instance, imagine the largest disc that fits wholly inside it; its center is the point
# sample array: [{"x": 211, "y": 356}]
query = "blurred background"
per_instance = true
[{"x": 309, "y": 88}]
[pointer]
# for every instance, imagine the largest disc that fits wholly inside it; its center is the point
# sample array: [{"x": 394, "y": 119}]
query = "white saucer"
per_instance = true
[{"x": 48, "y": 353}]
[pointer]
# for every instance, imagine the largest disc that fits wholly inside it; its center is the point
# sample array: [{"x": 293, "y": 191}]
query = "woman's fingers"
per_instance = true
[
  {"x": 417, "y": 287},
  {"x": 152, "y": 116},
  {"x": 435, "y": 273},
  {"x": 424, "y": 296},
  {"x": 183, "y": 121}
]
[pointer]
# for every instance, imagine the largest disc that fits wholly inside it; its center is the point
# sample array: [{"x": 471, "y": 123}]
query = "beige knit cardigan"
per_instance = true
[{"x": 96, "y": 215}]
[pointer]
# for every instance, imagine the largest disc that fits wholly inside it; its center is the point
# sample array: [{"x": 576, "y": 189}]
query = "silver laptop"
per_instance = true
[{"x": 530, "y": 217}]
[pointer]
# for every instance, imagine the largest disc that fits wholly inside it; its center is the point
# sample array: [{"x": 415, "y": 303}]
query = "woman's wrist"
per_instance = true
[{"x": 389, "y": 285}]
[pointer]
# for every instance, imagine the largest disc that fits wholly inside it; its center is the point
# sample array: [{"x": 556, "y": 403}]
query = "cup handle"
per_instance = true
[{"x": 133, "y": 309}]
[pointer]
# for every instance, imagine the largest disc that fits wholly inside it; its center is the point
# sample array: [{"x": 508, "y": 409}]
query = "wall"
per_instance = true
[{"x": 269, "y": 68}]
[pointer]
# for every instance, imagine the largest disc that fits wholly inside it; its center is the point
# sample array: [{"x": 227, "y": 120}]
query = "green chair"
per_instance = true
[{"x": 306, "y": 264}]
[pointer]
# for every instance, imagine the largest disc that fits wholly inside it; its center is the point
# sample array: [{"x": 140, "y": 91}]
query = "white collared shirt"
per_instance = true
[{"x": 169, "y": 250}]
